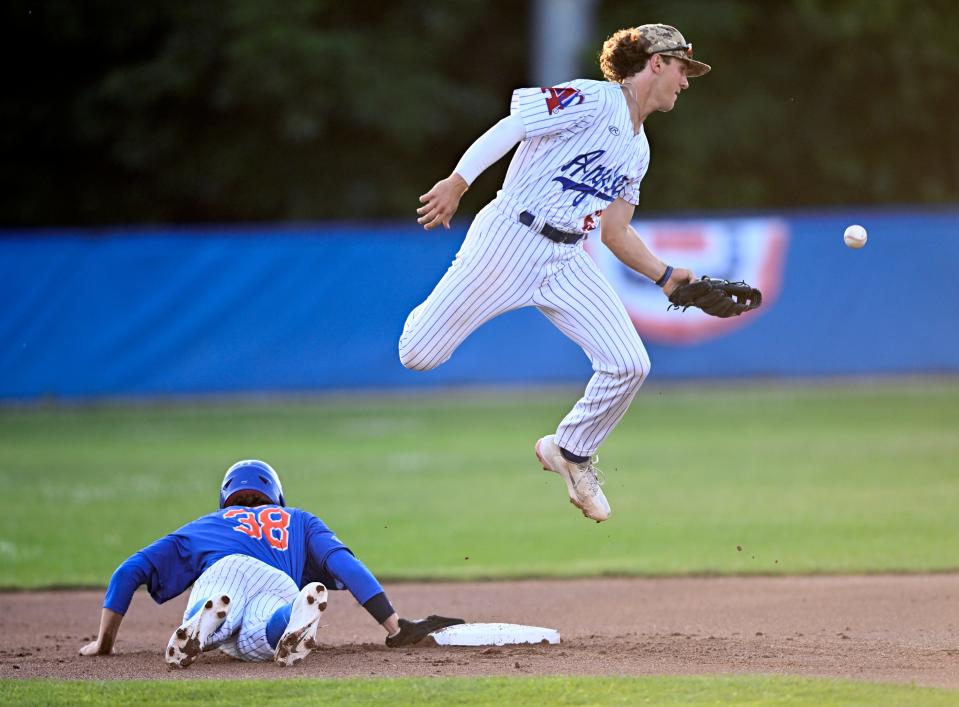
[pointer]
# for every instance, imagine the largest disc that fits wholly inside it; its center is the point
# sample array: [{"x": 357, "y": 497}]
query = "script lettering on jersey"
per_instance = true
[
  {"x": 559, "y": 98},
  {"x": 271, "y": 523},
  {"x": 605, "y": 182}
]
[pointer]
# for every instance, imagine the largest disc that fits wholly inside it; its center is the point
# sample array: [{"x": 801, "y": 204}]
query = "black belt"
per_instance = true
[{"x": 554, "y": 234}]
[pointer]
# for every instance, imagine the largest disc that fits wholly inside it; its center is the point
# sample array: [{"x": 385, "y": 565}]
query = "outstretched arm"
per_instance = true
[
  {"x": 367, "y": 590},
  {"x": 124, "y": 582},
  {"x": 103, "y": 644},
  {"x": 364, "y": 587},
  {"x": 621, "y": 238},
  {"x": 441, "y": 202}
]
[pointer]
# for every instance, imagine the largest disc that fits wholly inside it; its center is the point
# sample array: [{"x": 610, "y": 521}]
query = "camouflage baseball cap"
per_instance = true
[{"x": 666, "y": 40}]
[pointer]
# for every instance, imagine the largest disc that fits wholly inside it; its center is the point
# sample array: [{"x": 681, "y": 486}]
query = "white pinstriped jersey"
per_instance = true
[{"x": 580, "y": 153}]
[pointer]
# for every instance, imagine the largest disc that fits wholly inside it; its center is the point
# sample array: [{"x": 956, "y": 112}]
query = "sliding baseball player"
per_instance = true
[{"x": 259, "y": 572}]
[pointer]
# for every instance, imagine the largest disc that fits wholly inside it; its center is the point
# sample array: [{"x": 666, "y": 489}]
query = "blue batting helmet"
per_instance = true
[{"x": 251, "y": 475}]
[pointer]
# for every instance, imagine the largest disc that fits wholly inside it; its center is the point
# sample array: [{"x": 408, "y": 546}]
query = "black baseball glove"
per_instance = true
[
  {"x": 720, "y": 298},
  {"x": 415, "y": 631}
]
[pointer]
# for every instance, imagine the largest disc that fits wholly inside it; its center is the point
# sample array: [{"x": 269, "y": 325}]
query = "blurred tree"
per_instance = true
[
  {"x": 810, "y": 102},
  {"x": 237, "y": 110},
  {"x": 231, "y": 110}
]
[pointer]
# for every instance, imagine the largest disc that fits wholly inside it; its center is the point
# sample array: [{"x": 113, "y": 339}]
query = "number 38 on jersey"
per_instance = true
[{"x": 270, "y": 523}]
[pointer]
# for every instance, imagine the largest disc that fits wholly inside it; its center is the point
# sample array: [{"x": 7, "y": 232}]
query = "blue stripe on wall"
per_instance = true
[{"x": 285, "y": 309}]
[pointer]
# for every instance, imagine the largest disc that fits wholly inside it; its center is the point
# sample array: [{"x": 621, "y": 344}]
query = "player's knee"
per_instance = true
[
  {"x": 633, "y": 378},
  {"x": 637, "y": 369},
  {"x": 414, "y": 363},
  {"x": 415, "y": 359}
]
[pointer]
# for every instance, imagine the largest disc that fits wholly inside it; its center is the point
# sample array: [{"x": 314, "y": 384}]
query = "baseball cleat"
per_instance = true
[
  {"x": 582, "y": 480},
  {"x": 299, "y": 639},
  {"x": 190, "y": 639}
]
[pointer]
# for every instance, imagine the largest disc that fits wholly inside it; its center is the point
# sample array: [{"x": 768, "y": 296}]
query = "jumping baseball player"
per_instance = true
[
  {"x": 260, "y": 573},
  {"x": 581, "y": 158}
]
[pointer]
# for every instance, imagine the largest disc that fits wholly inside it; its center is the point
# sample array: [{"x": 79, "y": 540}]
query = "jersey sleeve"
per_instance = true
[
  {"x": 631, "y": 191},
  {"x": 355, "y": 575},
  {"x": 558, "y": 110},
  {"x": 174, "y": 567},
  {"x": 135, "y": 571},
  {"x": 321, "y": 542}
]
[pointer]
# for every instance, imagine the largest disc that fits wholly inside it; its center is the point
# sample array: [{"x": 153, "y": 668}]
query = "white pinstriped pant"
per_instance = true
[
  {"x": 504, "y": 265},
  {"x": 256, "y": 590}
]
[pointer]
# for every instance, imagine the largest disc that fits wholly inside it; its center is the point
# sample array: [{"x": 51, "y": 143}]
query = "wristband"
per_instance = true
[
  {"x": 379, "y": 607},
  {"x": 665, "y": 278}
]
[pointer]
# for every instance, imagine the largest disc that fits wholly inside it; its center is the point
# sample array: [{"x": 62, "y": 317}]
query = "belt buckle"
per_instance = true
[{"x": 565, "y": 237}]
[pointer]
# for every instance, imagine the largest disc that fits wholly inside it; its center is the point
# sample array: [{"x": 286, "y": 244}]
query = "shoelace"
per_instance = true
[{"x": 593, "y": 475}]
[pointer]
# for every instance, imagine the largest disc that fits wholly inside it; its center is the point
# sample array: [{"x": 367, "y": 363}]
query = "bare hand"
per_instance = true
[
  {"x": 441, "y": 202},
  {"x": 679, "y": 276},
  {"x": 93, "y": 648}
]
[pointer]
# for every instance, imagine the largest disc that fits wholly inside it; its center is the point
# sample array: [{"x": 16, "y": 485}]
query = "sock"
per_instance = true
[
  {"x": 570, "y": 457},
  {"x": 277, "y": 624},
  {"x": 195, "y": 608}
]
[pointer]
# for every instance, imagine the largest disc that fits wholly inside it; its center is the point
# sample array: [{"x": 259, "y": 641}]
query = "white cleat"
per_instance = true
[
  {"x": 190, "y": 639},
  {"x": 582, "y": 482},
  {"x": 299, "y": 638}
]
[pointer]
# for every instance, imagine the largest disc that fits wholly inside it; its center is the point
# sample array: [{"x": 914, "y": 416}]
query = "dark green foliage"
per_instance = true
[
  {"x": 316, "y": 109},
  {"x": 810, "y": 102},
  {"x": 244, "y": 110}
]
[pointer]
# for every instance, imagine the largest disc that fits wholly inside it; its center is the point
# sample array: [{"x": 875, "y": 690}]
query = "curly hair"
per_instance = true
[{"x": 624, "y": 54}]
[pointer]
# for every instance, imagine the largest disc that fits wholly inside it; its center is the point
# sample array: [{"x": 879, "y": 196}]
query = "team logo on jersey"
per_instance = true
[
  {"x": 735, "y": 249},
  {"x": 614, "y": 130},
  {"x": 591, "y": 179},
  {"x": 559, "y": 98},
  {"x": 592, "y": 221}
]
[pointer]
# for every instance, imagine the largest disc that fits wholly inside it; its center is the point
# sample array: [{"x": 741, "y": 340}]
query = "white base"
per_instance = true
[{"x": 494, "y": 635}]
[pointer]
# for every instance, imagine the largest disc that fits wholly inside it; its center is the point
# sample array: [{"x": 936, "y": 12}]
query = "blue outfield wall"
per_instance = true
[{"x": 292, "y": 309}]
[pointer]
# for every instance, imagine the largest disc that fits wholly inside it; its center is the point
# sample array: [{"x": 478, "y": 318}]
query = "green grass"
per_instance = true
[
  {"x": 805, "y": 479},
  {"x": 729, "y": 690}
]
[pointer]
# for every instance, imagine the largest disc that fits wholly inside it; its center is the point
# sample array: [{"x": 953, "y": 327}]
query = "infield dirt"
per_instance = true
[{"x": 873, "y": 628}]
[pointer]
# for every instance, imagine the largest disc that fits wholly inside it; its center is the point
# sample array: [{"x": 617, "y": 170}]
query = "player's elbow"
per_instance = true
[
  {"x": 611, "y": 234},
  {"x": 605, "y": 234}
]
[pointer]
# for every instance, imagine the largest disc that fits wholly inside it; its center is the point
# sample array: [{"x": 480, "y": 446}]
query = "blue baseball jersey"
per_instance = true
[{"x": 290, "y": 539}]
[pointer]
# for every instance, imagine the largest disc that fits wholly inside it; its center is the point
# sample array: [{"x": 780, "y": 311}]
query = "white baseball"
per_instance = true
[{"x": 855, "y": 236}]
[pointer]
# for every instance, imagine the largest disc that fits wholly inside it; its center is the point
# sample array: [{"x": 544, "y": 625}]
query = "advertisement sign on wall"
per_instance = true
[{"x": 749, "y": 249}]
